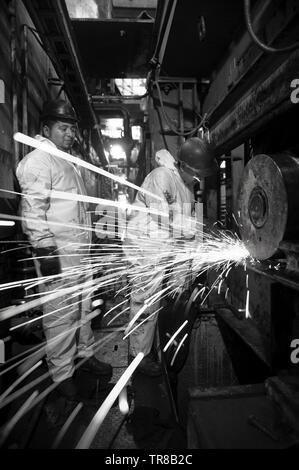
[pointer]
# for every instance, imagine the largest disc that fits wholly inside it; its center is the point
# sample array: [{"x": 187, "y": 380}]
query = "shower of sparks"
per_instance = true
[
  {"x": 143, "y": 264},
  {"x": 142, "y": 323},
  {"x": 34, "y": 383},
  {"x": 176, "y": 334},
  {"x": 90, "y": 433}
]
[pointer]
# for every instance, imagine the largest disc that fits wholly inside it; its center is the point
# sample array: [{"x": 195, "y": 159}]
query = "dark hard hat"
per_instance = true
[
  {"x": 59, "y": 110},
  {"x": 196, "y": 153}
]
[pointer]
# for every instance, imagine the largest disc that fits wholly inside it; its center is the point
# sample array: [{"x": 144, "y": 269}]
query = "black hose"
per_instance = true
[
  {"x": 257, "y": 41},
  {"x": 168, "y": 120}
]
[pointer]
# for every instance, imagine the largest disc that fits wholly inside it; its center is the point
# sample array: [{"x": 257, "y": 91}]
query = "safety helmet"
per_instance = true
[
  {"x": 197, "y": 157},
  {"x": 59, "y": 110}
]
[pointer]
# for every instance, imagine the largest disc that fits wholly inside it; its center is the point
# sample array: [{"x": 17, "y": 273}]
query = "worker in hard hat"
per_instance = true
[
  {"x": 148, "y": 241},
  {"x": 58, "y": 230}
]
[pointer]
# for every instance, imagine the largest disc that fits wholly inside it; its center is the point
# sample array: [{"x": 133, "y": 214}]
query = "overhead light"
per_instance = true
[{"x": 117, "y": 152}]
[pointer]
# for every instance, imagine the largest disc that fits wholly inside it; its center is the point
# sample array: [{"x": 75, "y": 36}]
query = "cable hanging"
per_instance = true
[
  {"x": 257, "y": 41},
  {"x": 168, "y": 120}
]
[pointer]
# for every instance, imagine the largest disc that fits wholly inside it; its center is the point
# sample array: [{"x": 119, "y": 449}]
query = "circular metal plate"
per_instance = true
[{"x": 263, "y": 207}]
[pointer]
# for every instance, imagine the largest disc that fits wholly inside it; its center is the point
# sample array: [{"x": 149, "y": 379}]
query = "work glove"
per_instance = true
[{"x": 48, "y": 260}]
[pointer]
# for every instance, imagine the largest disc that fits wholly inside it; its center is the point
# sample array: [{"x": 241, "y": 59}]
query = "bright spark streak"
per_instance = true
[
  {"x": 178, "y": 349},
  {"x": 67, "y": 425},
  {"x": 19, "y": 380},
  {"x": 45, "y": 147},
  {"x": 6, "y": 223},
  {"x": 106, "y": 202},
  {"x": 16, "y": 418},
  {"x": 43, "y": 377},
  {"x": 123, "y": 402},
  {"x": 16, "y": 310},
  {"x": 44, "y": 222},
  {"x": 138, "y": 314},
  {"x": 115, "y": 308},
  {"x": 175, "y": 336},
  {"x": 141, "y": 323},
  {"x": 89, "y": 435},
  {"x": 247, "y": 312},
  {"x": 117, "y": 316}
]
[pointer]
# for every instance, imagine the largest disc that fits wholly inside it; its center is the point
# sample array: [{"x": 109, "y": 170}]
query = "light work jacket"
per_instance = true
[{"x": 48, "y": 221}]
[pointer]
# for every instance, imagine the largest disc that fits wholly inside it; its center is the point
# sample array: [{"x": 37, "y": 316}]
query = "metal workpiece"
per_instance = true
[{"x": 269, "y": 203}]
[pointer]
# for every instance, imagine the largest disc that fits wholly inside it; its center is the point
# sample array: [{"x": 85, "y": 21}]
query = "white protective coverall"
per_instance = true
[
  {"x": 147, "y": 246},
  {"x": 64, "y": 224}
]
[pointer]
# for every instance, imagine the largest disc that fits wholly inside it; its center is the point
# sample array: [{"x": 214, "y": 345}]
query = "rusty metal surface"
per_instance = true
[
  {"x": 265, "y": 101},
  {"x": 221, "y": 419},
  {"x": 248, "y": 332},
  {"x": 246, "y": 63},
  {"x": 268, "y": 202}
]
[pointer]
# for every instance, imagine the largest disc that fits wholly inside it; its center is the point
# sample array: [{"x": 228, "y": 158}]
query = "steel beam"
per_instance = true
[{"x": 258, "y": 107}]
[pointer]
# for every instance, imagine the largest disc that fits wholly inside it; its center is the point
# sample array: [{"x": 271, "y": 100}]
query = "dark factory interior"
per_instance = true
[{"x": 149, "y": 226}]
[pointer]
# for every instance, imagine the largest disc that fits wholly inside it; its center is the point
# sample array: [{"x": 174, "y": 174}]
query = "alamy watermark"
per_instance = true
[
  {"x": 295, "y": 351},
  {"x": 295, "y": 91},
  {"x": 156, "y": 221}
]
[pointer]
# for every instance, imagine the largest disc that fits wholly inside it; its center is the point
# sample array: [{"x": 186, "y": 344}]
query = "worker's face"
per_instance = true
[
  {"x": 188, "y": 175},
  {"x": 62, "y": 134}
]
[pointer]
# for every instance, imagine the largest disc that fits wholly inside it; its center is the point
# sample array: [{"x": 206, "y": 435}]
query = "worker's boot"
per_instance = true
[
  {"x": 96, "y": 367},
  {"x": 68, "y": 389},
  {"x": 149, "y": 366}
]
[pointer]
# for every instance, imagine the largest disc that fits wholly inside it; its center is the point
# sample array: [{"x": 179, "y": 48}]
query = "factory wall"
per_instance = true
[{"x": 29, "y": 79}]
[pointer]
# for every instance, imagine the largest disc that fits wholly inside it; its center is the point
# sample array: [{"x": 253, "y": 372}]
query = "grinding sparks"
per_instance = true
[
  {"x": 178, "y": 350},
  {"x": 175, "y": 336},
  {"x": 155, "y": 261},
  {"x": 89, "y": 435},
  {"x": 247, "y": 312},
  {"x": 6, "y": 223}
]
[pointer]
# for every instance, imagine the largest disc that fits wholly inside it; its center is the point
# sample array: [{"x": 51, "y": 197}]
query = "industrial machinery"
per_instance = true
[{"x": 269, "y": 203}]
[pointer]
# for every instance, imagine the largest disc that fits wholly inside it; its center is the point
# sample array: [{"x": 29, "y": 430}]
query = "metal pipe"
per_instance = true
[
  {"x": 25, "y": 83},
  {"x": 181, "y": 112},
  {"x": 61, "y": 7},
  {"x": 13, "y": 47},
  {"x": 118, "y": 97}
]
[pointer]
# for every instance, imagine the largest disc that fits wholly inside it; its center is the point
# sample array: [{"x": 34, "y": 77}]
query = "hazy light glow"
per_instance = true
[
  {"x": 117, "y": 152},
  {"x": 131, "y": 86}
]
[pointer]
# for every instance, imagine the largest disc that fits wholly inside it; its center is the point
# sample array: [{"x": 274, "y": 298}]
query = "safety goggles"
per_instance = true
[
  {"x": 190, "y": 170},
  {"x": 197, "y": 174}
]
